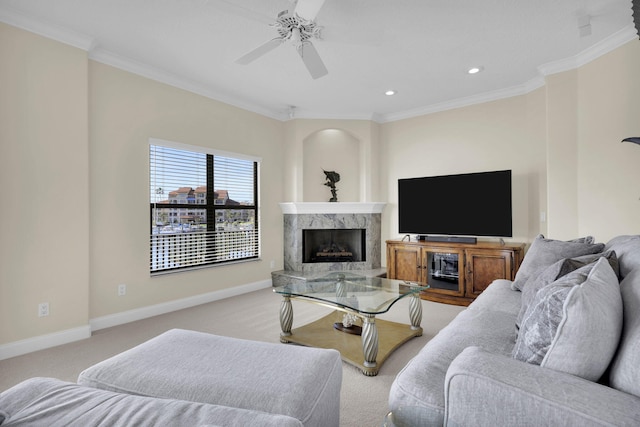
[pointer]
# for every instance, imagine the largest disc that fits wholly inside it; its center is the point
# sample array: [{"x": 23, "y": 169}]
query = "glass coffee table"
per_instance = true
[{"x": 354, "y": 299}]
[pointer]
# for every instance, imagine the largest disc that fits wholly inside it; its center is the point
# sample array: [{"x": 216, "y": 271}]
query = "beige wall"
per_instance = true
[
  {"x": 608, "y": 170},
  {"x": 562, "y": 150},
  {"x": 74, "y": 165},
  {"x": 562, "y": 142},
  {"x": 497, "y": 135},
  {"x": 74, "y": 172},
  {"x": 44, "y": 177},
  {"x": 125, "y": 111}
]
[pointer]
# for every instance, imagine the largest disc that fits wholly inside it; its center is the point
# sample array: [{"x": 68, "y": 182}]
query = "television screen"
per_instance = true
[{"x": 472, "y": 204}]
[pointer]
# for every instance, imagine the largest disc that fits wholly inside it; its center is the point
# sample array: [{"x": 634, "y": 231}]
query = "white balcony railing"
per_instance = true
[{"x": 180, "y": 250}]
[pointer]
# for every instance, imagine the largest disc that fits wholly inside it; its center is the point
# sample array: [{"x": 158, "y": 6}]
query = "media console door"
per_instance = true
[
  {"x": 404, "y": 262},
  {"x": 456, "y": 272},
  {"x": 483, "y": 266}
]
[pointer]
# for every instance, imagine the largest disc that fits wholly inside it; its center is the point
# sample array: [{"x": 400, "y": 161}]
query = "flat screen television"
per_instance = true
[{"x": 471, "y": 204}]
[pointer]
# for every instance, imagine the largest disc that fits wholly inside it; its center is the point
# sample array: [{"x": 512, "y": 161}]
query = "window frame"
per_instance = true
[{"x": 210, "y": 207}]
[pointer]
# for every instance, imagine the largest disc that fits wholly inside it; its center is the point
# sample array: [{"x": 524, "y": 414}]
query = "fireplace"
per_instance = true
[
  {"x": 334, "y": 245},
  {"x": 322, "y": 236}
]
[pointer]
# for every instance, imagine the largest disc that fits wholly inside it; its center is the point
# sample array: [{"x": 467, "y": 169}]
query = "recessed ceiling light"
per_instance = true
[
  {"x": 475, "y": 70},
  {"x": 390, "y": 92}
]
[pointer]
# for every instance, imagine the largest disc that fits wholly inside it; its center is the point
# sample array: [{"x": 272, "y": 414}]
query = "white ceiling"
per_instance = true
[{"x": 421, "y": 48}]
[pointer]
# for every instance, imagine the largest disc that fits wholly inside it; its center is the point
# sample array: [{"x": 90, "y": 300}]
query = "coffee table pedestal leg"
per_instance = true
[
  {"x": 415, "y": 313},
  {"x": 370, "y": 345},
  {"x": 286, "y": 318}
]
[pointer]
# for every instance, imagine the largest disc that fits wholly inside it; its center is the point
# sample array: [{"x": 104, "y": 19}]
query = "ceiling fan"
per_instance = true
[{"x": 298, "y": 26}]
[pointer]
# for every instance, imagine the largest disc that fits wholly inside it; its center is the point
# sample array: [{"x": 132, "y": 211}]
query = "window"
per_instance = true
[{"x": 203, "y": 207}]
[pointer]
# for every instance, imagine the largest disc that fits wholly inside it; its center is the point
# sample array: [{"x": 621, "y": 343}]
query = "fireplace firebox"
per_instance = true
[{"x": 333, "y": 245}]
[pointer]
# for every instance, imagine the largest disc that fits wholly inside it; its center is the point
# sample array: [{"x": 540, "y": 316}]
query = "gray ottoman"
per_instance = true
[{"x": 300, "y": 382}]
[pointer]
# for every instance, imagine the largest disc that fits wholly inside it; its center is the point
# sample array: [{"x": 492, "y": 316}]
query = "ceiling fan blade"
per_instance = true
[
  {"x": 308, "y": 9},
  {"x": 259, "y": 51},
  {"x": 312, "y": 60},
  {"x": 354, "y": 36}
]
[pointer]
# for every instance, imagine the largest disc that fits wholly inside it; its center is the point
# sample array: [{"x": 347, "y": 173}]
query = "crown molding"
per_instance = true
[
  {"x": 88, "y": 44},
  {"x": 54, "y": 32},
  {"x": 467, "y": 101},
  {"x": 302, "y": 114},
  {"x": 127, "y": 64},
  {"x": 599, "y": 49}
]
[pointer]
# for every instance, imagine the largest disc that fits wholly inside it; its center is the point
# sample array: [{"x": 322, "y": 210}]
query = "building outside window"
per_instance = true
[{"x": 203, "y": 207}]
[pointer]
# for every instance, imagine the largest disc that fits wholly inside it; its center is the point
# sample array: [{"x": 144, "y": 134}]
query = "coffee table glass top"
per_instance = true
[{"x": 365, "y": 295}]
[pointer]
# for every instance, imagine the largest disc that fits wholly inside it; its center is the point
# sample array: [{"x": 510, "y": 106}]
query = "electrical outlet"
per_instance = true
[
  {"x": 272, "y": 264},
  {"x": 122, "y": 290},
  {"x": 43, "y": 309}
]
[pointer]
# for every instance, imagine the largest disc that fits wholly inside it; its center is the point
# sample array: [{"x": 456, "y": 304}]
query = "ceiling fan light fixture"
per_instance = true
[
  {"x": 390, "y": 92},
  {"x": 475, "y": 70},
  {"x": 296, "y": 37},
  {"x": 299, "y": 27}
]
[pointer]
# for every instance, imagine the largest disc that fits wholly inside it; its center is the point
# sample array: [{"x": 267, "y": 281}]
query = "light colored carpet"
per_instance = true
[{"x": 250, "y": 316}]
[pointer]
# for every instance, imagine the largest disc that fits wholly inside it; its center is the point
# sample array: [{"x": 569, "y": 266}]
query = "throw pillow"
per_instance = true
[
  {"x": 574, "y": 324},
  {"x": 544, "y": 252},
  {"x": 624, "y": 374},
  {"x": 628, "y": 251},
  {"x": 587, "y": 239},
  {"x": 556, "y": 271}
]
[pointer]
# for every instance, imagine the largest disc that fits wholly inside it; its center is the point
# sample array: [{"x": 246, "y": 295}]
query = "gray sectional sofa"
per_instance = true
[
  {"x": 188, "y": 378},
  {"x": 560, "y": 345}
]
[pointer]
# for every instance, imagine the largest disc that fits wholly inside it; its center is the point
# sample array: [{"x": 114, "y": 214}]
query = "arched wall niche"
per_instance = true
[
  {"x": 309, "y": 147},
  {"x": 336, "y": 150}
]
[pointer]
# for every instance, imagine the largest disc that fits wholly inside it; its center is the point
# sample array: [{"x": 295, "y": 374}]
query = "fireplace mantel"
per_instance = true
[{"x": 297, "y": 208}]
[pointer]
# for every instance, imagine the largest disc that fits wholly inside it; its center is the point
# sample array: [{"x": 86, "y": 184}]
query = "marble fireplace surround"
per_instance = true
[{"x": 299, "y": 216}]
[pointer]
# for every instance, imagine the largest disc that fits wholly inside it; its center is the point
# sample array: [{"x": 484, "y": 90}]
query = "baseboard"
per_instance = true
[
  {"x": 29, "y": 345},
  {"x": 167, "y": 307}
]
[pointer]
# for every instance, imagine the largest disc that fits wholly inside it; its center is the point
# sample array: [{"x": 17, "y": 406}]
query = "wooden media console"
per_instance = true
[{"x": 455, "y": 272}]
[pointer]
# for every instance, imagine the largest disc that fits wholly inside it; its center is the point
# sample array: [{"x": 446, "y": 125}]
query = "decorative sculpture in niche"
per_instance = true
[
  {"x": 635, "y": 12},
  {"x": 332, "y": 178},
  {"x": 635, "y": 140}
]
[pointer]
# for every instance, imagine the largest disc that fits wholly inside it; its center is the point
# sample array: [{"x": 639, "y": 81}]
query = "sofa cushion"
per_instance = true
[
  {"x": 498, "y": 296},
  {"x": 574, "y": 324},
  {"x": 557, "y": 270},
  {"x": 51, "y": 402},
  {"x": 544, "y": 252},
  {"x": 300, "y": 382},
  {"x": 485, "y": 389},
  {"x": 627, "y": 249},
  {"x": 421, "y": 382},
  {"x": 624, "y": 373}
]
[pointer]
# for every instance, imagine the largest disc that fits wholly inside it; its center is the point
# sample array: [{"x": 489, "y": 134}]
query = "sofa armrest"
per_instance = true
[
  {"x": 484, "y": 389},
  {"x": 52, "y": 402}
]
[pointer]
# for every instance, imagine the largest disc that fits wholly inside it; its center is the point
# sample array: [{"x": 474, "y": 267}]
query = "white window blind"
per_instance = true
[{"x": 203, "y": 207}]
